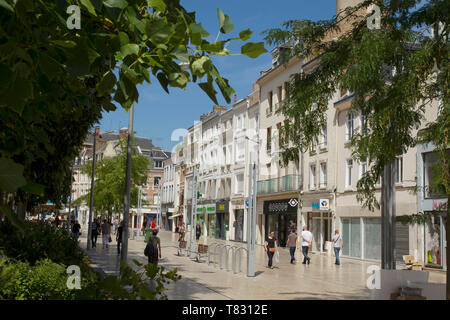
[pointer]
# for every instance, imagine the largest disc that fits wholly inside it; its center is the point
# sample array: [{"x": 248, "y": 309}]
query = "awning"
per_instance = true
[{"x": 176, "y": 215}]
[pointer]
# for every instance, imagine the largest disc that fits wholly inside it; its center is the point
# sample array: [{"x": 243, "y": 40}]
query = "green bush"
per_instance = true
[{"x": 45, "y": 280}]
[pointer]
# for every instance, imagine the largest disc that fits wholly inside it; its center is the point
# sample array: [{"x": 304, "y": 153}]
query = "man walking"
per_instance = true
[
  {"x": 106, "y": 233},
  {"x": 94, "y": 233},
  {"x": 292, "y": 244},
  {"x": 306, "y": 242},
  {"x": 338, "y": 245},
  {"x": 119, "y": 236}
]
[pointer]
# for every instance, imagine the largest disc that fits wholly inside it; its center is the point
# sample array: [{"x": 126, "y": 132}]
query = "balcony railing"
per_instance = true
[{"x": 282, "y": 184}]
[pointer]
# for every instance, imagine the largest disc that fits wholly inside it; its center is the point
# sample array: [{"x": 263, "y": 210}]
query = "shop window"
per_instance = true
[{"x": 372, "y": 238}]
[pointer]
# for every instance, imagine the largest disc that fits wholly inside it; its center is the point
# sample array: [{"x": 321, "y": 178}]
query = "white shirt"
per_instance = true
[
  {"x": 308, "y": 236},
  {"x": 337, "y": 240}
]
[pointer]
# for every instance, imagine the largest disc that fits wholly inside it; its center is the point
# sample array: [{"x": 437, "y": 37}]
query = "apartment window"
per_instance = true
[
  {"x": 362, "y": 169},
  {"x": 239, "y": 184},
  {"x": 239, "y": 125},
  {"x": 323, "y": 175},
  {"x": 350, "y": 126},
  {"x": 323, "y": 137},
  {"x": 270, "y": 100},
  {"x": 399, "y": 169},
  {"x": 312, "y": 183},
  {"x": 348, "y": 175},
  {"x": 363, "y": 123},
  {"x": 156, "y": 181},
  {"x": 313, "y": 145},
  {"x": 286, "y": 86},
  {"x": 269, "y": 139},
  {"x": 280, "y": 97}
]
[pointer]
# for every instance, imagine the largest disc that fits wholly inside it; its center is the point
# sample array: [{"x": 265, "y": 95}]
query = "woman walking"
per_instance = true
[
  {"x": 270, "y": 245},
  {"x": 153, "y": 248},
  {"x": 106, "y": 233}
]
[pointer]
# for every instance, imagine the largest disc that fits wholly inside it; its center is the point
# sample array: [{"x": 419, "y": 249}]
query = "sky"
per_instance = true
[{"x": 158, "y": 114}]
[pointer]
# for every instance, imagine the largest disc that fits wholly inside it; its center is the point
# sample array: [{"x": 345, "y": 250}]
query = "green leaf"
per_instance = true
[
  {"x": 6, "y": 5},
  {"x": 5, "y": 76},
  {"x": 244, "y": 35},
  {"x": 34, "y": 188},
  {"x": 225, "y": 88},
  {"x": 11, "y": 175},
  {"x": 64, "y": 43},
  {"x": 121, "y": 4},
  {"x": 88, "y": 5},
  {"x": 130, "y": 48},
  {"x": 181, "y": 54},
  {"x": 200, "y": 66},
  {"x": 213, "y": 47},
  {"x": 208, "y": 88},
  {"x": 158, "y": 5},
  {"x": 253, "y": 49},
  {"x": 19, "y": 92},
  {"x": 162, "y": 78},
  {"x": 225, "y": 22},
  {"x": 137, "y": 263},
  {"x": 107, "y": 83},
  {"x": 158, "y": 31}
]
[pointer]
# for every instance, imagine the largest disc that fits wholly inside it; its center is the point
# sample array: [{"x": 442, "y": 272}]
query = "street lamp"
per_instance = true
[{"x": 251, "y": 213}]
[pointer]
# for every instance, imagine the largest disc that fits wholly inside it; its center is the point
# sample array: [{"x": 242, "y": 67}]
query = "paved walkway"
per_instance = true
[{"x": 322, "y": 279}]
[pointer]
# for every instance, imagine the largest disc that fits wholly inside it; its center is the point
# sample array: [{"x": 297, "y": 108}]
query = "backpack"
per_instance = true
[{"x": 151, "y": 247}]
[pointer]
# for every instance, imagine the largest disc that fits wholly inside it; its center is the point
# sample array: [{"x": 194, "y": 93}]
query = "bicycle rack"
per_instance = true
[
  {"x": 240, "y": 258},
  {"x": 208, "y": 256},
  {"x": 215, "y": 256}
]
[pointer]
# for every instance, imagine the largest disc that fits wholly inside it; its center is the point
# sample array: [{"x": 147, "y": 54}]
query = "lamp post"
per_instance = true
[
  {"x": 251, "y": 212},
  {"x": 96, "y": 132},
  {"x": 124, "y": 252}
]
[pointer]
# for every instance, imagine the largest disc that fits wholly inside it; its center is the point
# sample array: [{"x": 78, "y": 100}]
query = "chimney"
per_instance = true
[
  {"x": 219, "y": 108},
  {"x": 235, "y": 98},
  {"x": 123, "y": 133},
  {"x": 202, "y": 117}
]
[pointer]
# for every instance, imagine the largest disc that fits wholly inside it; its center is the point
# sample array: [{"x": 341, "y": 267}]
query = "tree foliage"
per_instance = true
[
  {"x": 394, "y": 74},
  {"x": 55, "y": 82},
  {"x": 109, "y": 184}
]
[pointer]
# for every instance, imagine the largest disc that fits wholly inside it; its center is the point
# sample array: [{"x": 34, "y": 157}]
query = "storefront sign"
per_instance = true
[
  {"x": 315, "y": 205},
  {"x": 280, "y": 206},
  {"x": 222, "y": 206},
  {"x": 324, "y": 204}
]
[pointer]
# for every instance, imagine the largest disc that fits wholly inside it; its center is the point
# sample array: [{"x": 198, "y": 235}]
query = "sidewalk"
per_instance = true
[{"x": 322, "y": 279}]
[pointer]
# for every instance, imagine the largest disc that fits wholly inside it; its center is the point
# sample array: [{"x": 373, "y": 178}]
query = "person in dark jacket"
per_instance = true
[
  {"x": 119, "y": 236},
  {"x": 76, "y": 229},
  {"x": 94, "y": 233},
  {"x": 153, "y": 248}
]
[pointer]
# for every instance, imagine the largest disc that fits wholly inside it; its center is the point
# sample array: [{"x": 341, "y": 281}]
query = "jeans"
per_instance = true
[
  {"x": 270, "y": 254},
  {"x": 336, "y": 253},
  {"x": 305, "y": 253},
  {"x": 105, "y": 240},
  {"x": 118, "y": 246},
  {"x": 94, "y": 239},
  {"x": 292, "y": 252}
]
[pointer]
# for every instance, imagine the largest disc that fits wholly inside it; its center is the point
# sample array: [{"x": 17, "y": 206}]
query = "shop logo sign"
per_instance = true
[
  {"x": 293, "y": 202},
  {"x": 315, "y": 205},
  {"x": 324, "y": 204},
  {"x": 278, "y": 206}
]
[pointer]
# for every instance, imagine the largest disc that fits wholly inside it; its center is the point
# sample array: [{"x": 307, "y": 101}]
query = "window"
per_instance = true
[
  {"x": 432, "y": 175},
  {"x": 270, "y": 100},
  {"x": 239, "y": 184},
  {"x": 156, "y": 181},
  {"x": 398, "y": 169},
  {"x": 286, "y": 86},
  {"x": 323, "y": 175},
  {"x": 362, "y": 168},
  {"x": 363, "y": 123},
  {"x": 312, "y": 183},
  {"x": 349, "y": 127},
  {"x": 323, "y": 137},
  {"x": 348, "y": 175},
  {"x": 313, "y": 145},
  {"x": 269, "y": 139}
]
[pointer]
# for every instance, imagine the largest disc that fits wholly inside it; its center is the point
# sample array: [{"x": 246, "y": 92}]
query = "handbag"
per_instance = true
[
  {"x": 277, "y": 257},
  {"x": 272, "y": 249}
]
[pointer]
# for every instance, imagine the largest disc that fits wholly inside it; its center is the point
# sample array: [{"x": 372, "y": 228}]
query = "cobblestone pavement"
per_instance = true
[{"x": 322, "y": 279}]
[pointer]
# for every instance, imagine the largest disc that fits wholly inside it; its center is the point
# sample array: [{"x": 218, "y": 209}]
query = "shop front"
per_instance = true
[
  {"x": 201, "y": 218},
  {"x": 238, "y": 225},
  {"x": 168, "y": 221},
  {"x": 435, "y": 233},
  {"x": 222, "y": 219},
  {"x": 318, "y": 218},
  {"x": 280, "y": 217}
]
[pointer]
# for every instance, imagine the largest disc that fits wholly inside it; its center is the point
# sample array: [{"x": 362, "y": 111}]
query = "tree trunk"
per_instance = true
[
  {"x": 1, "y": 203},
  {"x": 447, "y": 247},
  {"x": 21, "y": 210}
]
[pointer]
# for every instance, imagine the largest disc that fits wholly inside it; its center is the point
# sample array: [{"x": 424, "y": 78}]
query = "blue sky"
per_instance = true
[{"x": 158, "y": 114}]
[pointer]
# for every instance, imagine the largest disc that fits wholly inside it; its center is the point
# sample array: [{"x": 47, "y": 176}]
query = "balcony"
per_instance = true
[{"x": 282, "y": 184}]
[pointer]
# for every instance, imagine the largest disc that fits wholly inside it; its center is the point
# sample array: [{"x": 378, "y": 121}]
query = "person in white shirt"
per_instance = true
[
  {"x": 306, "y": 242},
  {"x": 338, "y": 245}
]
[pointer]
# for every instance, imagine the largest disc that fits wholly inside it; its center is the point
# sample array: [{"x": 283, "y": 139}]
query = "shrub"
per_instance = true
[{"x": 44, "y": 281}]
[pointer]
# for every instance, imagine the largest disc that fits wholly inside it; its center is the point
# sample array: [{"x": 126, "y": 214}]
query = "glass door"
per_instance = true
[{"x": 316, "y": 234}]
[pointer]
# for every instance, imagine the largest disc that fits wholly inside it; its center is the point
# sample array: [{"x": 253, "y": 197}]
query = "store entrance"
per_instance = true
[
  {"x": 281, "y": 224},
  {"x": 239, "y": 225}
]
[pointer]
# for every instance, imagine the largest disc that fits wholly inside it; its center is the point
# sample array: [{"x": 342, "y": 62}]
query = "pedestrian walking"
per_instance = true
[
  {"x": 270, "y": 246},
  {"x": 94, "y": 233},
  {"x": 338, "y": 245},
  {"x": 153, "y": 248},
  {"x": 306, "y": 243},
  {"x": 119, "y": 236},
  {"x": 182, "y": 231},
  {"x": 106, "y": 233},
  {"x": 292, "y": 244},
  {"x": 198, "y": 231},
  {"x": 76, "y": 229}
]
